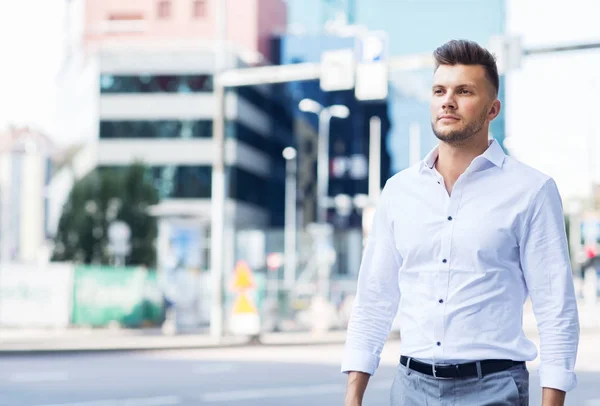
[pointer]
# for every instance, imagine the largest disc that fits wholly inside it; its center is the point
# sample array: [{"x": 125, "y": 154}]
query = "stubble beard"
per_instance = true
[{"x": 461, "y": 135}]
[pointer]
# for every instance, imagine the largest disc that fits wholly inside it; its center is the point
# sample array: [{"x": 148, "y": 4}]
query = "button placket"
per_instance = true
[
  {"x": 443, "y": 275},
  {"x": 439, "y": 311}
]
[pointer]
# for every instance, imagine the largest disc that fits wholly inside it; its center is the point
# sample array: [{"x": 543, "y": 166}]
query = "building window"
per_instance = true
[
  {"x": 164, "y": 9},
  {"x": 182, "y": 182},
  {"x": 176, "y": 181},
  {"x": 249, "y": 187},
  {"x": 199, "y": 10},
  {"x": 155, "y": 83},
  {"x": 159, "y": 129}
]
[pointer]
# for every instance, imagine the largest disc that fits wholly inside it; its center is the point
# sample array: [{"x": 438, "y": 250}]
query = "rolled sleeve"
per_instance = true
[
  {"x": 557, "y": 378},
  {"x": 377, "y": 296},
  {"x": 547, "y": 271},
  {"x": 359, "y": 360}
]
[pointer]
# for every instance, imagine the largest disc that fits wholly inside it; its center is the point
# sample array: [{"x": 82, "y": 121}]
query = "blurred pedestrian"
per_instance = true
[{"x": 462, "y": 238}]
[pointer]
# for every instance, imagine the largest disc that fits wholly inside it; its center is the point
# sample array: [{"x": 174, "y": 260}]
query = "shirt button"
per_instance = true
[
  {"x": 441, "y": 300},
  {"x": 449, "y": 218},
  {"x": 444, "y": 260},
  {"x": 438, "y": 343}
]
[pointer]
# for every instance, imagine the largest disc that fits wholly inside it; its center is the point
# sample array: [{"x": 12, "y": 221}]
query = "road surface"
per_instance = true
[{"x": 249, "y": 376}]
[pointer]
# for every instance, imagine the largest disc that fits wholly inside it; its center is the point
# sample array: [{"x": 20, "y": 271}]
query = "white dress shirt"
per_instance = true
[{"x": 461, "y": 266}]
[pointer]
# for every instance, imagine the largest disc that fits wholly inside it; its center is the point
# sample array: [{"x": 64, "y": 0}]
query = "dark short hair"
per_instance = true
[{"x": 464, "y": 52}]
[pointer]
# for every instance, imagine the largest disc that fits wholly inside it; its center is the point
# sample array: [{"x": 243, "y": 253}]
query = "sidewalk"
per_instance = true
[{"x": 76, "y": 340}]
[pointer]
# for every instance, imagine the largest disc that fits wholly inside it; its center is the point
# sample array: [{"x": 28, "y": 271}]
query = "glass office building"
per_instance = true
[{"x": 261, "y": 189}]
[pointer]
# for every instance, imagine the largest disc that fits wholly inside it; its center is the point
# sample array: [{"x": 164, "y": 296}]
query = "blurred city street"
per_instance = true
[
  {"x": 273, "y": 375},
  {"x": 187, "y": 188}
]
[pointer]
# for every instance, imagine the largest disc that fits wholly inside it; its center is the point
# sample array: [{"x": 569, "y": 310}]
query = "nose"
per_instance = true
[{"x": 449, "y": 103}]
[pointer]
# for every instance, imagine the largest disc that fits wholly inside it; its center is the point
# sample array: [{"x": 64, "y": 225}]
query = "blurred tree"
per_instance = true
[{"x": 103, "y": 196}]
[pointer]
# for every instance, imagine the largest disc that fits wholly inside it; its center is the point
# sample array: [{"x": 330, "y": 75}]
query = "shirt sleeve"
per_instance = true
[
  {"x": 547, "y": 271},
  {"x": 377, "y": 296}
]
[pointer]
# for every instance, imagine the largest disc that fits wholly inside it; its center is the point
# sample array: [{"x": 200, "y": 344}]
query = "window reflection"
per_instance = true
[
  {"x": 156, "y": 129},
  {"x": 155, "y": 83},
  {"x": 182, "y": 181},
  {"x": 248, "y": 187},
  {"x": 176, "y": 181},
  {"x": 268, "y": 144}
]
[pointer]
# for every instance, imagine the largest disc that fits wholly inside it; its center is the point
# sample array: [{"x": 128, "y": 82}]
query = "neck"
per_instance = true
[{"x": 454, "y": 159}]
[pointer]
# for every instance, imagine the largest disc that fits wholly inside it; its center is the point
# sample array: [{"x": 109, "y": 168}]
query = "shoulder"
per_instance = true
[
  {"x": 527, "y": 177},
  {"x": 532, "y": 183}
]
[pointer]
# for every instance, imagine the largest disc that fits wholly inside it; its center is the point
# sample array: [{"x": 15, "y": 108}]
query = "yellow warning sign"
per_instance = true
[
  {"x": 244, "y": 319},
  {"x": 242, "y": 278},
  {"x": 243, "y": 304}
]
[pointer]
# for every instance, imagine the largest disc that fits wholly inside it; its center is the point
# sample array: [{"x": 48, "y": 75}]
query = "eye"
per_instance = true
[
  {"x": 437, "y": 91},
  {"x": 464, "y": 91}
]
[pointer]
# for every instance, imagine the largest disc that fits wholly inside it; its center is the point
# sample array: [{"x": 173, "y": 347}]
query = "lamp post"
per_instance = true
[
  {"x": 322, "y": 231},
  {"x": 289, "y": 267},
  {"x": 325, "y": 114},
  {"x": 219, "y": 182}
]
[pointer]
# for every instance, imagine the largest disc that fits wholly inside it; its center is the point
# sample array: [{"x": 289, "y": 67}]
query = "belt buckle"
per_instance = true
[{"x": 435, "y": 373}]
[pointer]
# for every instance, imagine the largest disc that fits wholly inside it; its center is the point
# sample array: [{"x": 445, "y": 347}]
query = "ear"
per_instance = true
[{"x": 494, "y": 110}]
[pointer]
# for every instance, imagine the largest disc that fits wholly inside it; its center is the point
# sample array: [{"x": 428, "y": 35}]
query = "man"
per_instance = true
[{"x": 458, "y": 242}]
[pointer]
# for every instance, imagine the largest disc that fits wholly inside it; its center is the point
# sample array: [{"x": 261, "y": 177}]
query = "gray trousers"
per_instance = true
[{"x": 505, "y": 388}]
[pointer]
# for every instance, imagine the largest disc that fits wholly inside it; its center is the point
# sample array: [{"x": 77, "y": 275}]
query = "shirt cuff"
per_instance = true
[
  {"x": 360, "y": 361},
  {"x": 557, "y": 378}
]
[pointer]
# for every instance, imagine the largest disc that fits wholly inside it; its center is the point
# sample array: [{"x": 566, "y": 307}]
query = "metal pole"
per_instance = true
[
  {"x": 218, "y": 191},
  {"x": 374, "y": 159},
  {"x": 5, "y": 187},
  {"x": 290, "y": 223},
  {"x": 561, "y": 48},
  {"x": 322, "y": 196},
  {"x": 323, "y": 166}
]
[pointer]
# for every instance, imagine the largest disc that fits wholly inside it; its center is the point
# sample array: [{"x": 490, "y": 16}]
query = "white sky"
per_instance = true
[
  {"x": 551, "y": 104},
  {"x": 30, "y": 51},
  {"x": 551, "y": 101}
]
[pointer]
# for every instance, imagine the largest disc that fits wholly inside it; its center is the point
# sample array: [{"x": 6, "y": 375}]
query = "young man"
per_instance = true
[{"x": 459, "y": 241}]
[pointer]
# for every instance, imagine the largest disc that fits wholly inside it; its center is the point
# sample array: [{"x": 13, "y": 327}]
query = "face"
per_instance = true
[{"x": 463, "y": 103}]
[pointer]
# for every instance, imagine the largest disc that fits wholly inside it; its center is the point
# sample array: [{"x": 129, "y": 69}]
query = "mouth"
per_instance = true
[{"x": 448, "y": 119}]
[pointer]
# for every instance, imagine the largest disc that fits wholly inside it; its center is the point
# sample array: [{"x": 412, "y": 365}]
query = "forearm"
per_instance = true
[
  {"x": 357, "y": 384},
  {"x": 553, "y": 397}
]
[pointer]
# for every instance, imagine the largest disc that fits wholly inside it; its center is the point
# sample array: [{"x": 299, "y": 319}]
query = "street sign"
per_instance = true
[
  {"x": 118, "y": 237},
  {"x": 243, "y": 279},
  {"x": 337, "y": 70},
  {"x": 244, "y": 319},
  {"x": 372, "y": 69},
  {"x": 274, "y": 261},
  {"x": 243, "y": 304},
  {"x": 372, "y": 47},
  {"x": 119, "y": 234}
]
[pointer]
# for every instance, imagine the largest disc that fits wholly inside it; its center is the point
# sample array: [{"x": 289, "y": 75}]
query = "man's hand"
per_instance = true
[
  {"x": 357, "y": 384},
  {"x": 553, "y": 397}
]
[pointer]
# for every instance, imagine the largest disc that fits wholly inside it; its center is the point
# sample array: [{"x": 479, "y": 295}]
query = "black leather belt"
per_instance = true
[{"x": 460, "y": 370}]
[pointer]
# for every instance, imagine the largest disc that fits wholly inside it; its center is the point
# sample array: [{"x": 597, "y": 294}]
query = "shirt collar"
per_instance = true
[{"x": 494, "y": 154}]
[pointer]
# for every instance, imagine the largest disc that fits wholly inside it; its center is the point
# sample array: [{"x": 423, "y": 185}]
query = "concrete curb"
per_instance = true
[{"x": 151, "y": 343}]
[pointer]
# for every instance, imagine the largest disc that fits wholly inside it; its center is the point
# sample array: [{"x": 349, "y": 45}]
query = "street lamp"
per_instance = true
[
  {"x": 289, "y": 267},
  {"x": 322, "y": 232},
  {"x": 325, "y": 114}
]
